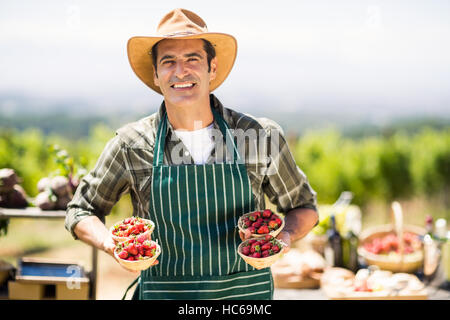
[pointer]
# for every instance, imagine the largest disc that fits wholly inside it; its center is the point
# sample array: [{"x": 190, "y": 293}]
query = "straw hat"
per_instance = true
[{"x": 181, "y": 24}]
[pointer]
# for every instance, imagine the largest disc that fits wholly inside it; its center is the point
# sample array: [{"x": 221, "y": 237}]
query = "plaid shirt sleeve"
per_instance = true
[
  {"x": 101, "y": 188},
  {"x": 285, "y": 184}
]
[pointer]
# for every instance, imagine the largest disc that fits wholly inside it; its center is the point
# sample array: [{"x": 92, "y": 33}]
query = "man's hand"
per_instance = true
[{"x": 92, "y": 231}]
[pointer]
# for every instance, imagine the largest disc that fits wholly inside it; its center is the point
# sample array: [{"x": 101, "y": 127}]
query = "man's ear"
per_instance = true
[
  {"x": 212, "y": 72},
  {"x": 155, "y": 78}
]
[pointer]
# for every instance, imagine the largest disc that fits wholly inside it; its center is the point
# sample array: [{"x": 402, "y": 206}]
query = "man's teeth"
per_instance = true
[{"x": 185, "y": 85}]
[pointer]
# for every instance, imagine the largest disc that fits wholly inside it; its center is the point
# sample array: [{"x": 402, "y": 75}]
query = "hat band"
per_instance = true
[{"x": 180, "y": 33}]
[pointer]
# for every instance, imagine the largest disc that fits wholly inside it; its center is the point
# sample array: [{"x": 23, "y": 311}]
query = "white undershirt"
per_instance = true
[{"x": 198, "y": 142}]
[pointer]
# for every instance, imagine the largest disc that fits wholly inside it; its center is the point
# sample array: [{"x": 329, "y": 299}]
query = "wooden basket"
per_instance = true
[
  {"x": 139, "y": 265},
  {"x": 260, "y": 263},
  {"x": 123, "y": 239},
  {"x": 273, "y": 233},
  {"x": 398, "y": 263}
]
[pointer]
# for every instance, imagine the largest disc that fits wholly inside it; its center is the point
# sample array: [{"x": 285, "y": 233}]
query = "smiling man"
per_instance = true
[{"x": 193, "y": 168}]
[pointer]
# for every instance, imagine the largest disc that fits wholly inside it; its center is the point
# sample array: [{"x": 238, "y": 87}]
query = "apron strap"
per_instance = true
[
  {"x": 158, "y": 154},
  {"x": 129, "y": 287}
]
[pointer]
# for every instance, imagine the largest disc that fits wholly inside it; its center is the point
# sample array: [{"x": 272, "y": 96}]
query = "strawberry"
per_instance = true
[
  {"x": 267, "y": 213},
  {"x": 146, "y": 244},
  {"x": 255, "y": 247},
  {"x": 132, "y": 249},
  {"x": 252, "y": 229},
  {"x": 252, "y": 218},
  {"x": 273, "y": 224},
  {"x": 130, "y": 258},
  {"x": 252, "y": 241},
  {"x": 263, "y": 229},
  {"x": 266, "y": 246},
  {"x": 265, "y": 253},
  {"x": 275, "y": 248},
  {"x": 256, "y": 224},
  {"x": 246, "y": 250},
  {"x": 123, "y": 254},
  {"x": 268, "y": 237},
  {"x": 141, "y": 238},
  {"x": 256, "y": 255},
  {"x": 247, "y": 223},
  {"x": 257, "y": 214},
  {"x": 140, "y": 226}
]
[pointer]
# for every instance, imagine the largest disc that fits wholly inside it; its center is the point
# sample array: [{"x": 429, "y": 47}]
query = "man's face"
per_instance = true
[{"x": 182, "y": 71}]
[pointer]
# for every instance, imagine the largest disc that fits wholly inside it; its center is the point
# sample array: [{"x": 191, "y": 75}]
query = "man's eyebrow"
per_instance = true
[
  {"x": 187, "y": 55},
  {"x": 193, "y": 54},
  {"x": 166, "y": 57}
]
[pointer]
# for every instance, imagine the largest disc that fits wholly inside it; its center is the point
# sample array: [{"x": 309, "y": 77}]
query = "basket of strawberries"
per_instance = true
[
  {"x": 137, "y": 253},
  {"x": 131, "y": 227},
  {"x": 261, "y": 223},
  {"x": 261, "y": 252},
  {"x": 394, "y": 247}
]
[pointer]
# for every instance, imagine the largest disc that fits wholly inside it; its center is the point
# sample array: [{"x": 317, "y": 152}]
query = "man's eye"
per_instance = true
[
  {"x": 192, "y": 59},
  {"x": 167, "y": 62}
]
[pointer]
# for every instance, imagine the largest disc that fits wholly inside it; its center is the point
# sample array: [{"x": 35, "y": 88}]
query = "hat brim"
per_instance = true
[{"x": 138, "y": 49}]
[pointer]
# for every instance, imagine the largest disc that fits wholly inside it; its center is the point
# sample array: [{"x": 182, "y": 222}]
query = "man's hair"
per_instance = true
[{"x": 207, "y": 46}]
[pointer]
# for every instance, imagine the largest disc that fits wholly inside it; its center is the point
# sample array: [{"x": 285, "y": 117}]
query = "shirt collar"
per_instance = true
[{"x": 215, "y": 103}]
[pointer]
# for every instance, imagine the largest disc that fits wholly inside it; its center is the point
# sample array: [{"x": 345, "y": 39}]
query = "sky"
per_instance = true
[{"x": 308, "y": 56}]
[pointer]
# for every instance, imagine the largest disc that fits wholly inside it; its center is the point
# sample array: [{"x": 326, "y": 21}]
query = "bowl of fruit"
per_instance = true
[
  {"x": 137, "y": 253},
  {"x": 261, "y": 252},
  {"x": 261, "y": 223},
  {"x": 131, "y": 227},
  {"x": 381, "y": 246}
]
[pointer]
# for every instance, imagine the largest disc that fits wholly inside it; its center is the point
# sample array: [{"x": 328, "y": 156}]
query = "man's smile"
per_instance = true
[{"x": 183, "y": 85}]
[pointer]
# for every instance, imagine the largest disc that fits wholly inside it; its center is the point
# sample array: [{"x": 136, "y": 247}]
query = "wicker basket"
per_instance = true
[
  {"x": 139, "y": 265},
  {"x": 395, "y": 263},
  {"x": 122, "y": 239},
  {"x": 273, "y": 233},
  {"x": 260, "y": 263}
]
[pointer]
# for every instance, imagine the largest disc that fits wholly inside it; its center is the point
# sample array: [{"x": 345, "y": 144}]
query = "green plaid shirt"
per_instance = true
[{"x": 125, "y": 166}]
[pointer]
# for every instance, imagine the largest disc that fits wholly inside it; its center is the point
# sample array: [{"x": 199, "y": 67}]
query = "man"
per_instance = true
[{"x": 186, "y": 171}]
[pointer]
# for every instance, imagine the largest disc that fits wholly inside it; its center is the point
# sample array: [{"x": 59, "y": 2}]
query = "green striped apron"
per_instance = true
[{"x": 196, "y": 209}]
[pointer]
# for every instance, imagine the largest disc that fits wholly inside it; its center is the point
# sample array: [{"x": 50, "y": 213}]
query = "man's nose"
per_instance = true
[{"x": 180, "y": 70}]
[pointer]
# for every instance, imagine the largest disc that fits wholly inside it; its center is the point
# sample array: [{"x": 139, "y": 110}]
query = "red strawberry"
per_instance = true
[
  {"x": 267, "y": 213},
  {"x": 247, "y": 223},
  {"x": 256, "y": 224},
  {"x": 141, "y": 238},
  {"x": 267, "y": 246},
  {"x": 276, "y": 248},
  {"x": 273, "y": 224},
  {"x": 265, "y": 253},
  {"x": 252, "y": 241},
  {"x": 252, "y": 229},
  {"x": 123, "y": 254},
  {"x": 149, "y": 253},
  {"x": 146, "y": 244},
  {"x": 140, "y": 226},
  {"x": 130, "y": 258},
  {"x": 252, "y": 217},
  {"x": 263, "y": 229},
  {"x": 132, "y": 249},
  {"x": 268, "y": 237},
  {"x": 257, "y": 214},
  {"x": 246, "y": 250},
  {"x": 256, "y": 255}
]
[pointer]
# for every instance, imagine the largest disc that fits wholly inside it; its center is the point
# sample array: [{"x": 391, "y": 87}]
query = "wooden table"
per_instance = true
[{"x": 37, "y": 213}]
